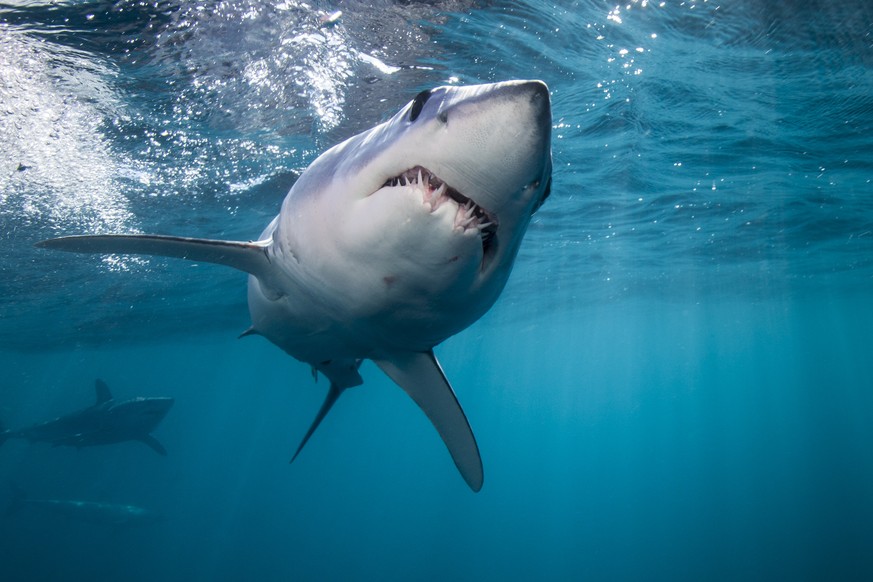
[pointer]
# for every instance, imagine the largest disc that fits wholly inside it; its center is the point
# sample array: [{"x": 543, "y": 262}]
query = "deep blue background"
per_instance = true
[{"x": 676, "y": 383}]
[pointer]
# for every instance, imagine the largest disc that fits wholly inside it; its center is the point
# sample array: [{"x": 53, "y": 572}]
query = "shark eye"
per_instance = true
[{"x": 418, "y": 104}]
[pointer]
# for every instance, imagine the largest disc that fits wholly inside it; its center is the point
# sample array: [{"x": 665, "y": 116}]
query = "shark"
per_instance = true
[
  {"x": 389, "y": 243},
  {"x": 105, "y": 422},
  {"x": 95, "y": 512}
]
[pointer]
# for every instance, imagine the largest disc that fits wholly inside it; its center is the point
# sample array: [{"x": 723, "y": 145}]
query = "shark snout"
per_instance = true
[
  {"x": 531, "y": 103},
  {"x": 540, "y": 99},
  {"x": 537, "y": 92},
  {"x": 153, "y": 408},
  {"x": 160, "y": 405}
]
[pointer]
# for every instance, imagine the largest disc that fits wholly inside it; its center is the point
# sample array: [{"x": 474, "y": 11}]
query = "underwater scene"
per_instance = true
[{"x": 590, "y": 296}]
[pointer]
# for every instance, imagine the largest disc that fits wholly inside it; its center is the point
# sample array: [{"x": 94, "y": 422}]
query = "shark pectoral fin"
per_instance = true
[
  {"x": 420, "y": 375},
  {"x": 103, "y": 393},
  {"x": 250, "y": 257},
  {"x": 332, "y": 395},
  {"x": 154, "y": 444}
]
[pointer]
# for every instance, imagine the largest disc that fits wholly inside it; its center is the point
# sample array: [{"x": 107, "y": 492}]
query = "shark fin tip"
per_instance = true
[
  {"x": 332, "y": 395},
  {"x": 248, "y": 332}
]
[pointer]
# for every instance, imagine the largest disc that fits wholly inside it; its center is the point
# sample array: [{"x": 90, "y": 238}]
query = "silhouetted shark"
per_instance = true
[
  {"x": 116, "y": 514},
  {"x": 104, "y": 423}
]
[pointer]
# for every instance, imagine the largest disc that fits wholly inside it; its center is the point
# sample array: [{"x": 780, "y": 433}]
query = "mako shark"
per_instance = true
[
  {"x": 105, "y": 422},
  {"x": 389, "y": 243},
  {"x": 97, "y": 512}
]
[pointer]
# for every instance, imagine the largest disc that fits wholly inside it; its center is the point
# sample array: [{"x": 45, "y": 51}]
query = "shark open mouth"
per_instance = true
[{"x": 435, "y": 193}]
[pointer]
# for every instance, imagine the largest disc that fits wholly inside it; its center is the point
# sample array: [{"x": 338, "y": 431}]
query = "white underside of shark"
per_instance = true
[{"x": 391, "y": 242}]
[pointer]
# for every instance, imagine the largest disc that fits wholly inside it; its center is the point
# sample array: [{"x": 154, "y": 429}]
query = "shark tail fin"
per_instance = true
[
  {"x": 333, "y": 395},
  {"x": 250, "y": 257},
  {"x": 103, "y": 393},
  {"x": 422, "y": 378}
]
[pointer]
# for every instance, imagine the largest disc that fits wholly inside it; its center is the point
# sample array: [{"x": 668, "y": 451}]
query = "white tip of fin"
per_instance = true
[
  {"x": 420, "y": 375},
  {"x": 250, "y": 257}
]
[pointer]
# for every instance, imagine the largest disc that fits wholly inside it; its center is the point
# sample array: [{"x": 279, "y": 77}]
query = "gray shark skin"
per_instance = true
[
  {"x": 94, "y": 512},
  {"x": 391, "y": 242},
  {"x": 106, "y": 422}
]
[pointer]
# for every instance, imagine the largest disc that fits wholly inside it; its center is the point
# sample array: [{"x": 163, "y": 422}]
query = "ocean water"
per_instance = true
[{"x": 676, "y": 384}]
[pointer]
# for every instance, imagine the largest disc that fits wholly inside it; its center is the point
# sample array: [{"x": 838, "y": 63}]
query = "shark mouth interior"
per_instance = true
[{"x": 435, "y": 193}]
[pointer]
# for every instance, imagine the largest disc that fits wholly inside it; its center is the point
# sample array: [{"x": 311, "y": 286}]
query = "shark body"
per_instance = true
[
  {"x": 103, "y": 423},
  {"x": 95, "y": 512},
  {"x": 391, "y": 242}
]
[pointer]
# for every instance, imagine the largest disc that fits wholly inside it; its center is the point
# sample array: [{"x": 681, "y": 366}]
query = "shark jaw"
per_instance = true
[{"x": 434, "y": 193}]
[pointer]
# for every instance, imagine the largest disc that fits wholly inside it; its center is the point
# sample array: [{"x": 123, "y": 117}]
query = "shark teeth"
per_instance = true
[{"x": 436, "y": 193}]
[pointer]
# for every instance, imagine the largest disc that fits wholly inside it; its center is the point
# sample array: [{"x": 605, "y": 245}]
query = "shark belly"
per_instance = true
[{"x": 403, "y": 280}]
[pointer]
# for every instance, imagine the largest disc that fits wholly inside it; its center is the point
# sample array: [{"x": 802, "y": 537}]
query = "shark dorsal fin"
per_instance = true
[{"x": 103, "y": 393}]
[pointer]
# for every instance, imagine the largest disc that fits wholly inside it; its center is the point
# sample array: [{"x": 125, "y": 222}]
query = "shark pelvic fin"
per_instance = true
[
  {"x": 103, "y": 393},
  {"x": 250, "y": 257},
  {"x": 154, "y": 444},
  {"x": 422, "y": 378},
  {"x": 248, "y": 332},
  {"x": 333, "y": 395}
]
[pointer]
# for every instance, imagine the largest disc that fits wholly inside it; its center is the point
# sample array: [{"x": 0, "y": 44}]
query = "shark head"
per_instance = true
[
  {"x": 140, "y": 415},
  {"x": 429, "y": 208},
  {"x": 478, "y": 157}
]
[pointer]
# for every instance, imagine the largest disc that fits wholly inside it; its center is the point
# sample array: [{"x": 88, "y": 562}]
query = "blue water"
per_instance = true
[{"x": 676, "y": 384}]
